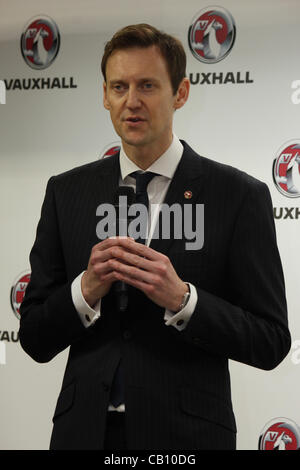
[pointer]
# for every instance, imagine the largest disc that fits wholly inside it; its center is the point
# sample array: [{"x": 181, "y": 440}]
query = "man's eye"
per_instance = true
[
  {"x": 148, "y": 86},
  {"x": 118, "y": 87}
]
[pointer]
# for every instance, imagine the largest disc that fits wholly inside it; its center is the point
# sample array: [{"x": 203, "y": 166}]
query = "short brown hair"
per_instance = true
[{"x": 145, "y": 35}]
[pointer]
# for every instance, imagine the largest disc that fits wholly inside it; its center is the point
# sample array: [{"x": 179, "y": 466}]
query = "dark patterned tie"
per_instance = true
[
  {"x": 142, "y": 181},
  {"x": 141, "y": 195}
]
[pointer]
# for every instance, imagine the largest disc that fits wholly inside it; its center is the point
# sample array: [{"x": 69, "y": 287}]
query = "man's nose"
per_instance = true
[{"x": 133, "y": 99}]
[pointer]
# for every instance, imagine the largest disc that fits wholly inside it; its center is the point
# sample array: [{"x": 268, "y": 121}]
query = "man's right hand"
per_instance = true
[{"x": 99, "y": 276}]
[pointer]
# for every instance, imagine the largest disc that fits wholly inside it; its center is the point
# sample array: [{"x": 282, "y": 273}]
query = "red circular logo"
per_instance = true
[
  {"x": 17, "y": 292},
  {"x": 211, "y": 34},
  {"x": 40, "y": 42},
  {"x": 110, "y": 150},
  {"x": 280, "y": 434},
  {"x": 286, "y": 169}
]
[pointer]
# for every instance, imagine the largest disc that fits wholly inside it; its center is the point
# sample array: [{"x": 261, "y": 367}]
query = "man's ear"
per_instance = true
[
  {"x": 182, "y": 93},
  {"x": 105, "y": 100}
]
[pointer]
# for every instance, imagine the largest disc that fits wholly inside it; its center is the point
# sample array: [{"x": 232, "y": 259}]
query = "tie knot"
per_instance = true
[{"x": 142, "y": 180}]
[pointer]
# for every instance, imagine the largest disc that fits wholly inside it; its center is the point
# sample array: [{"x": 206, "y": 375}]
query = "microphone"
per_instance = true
[{"x": 124, "y": 198}]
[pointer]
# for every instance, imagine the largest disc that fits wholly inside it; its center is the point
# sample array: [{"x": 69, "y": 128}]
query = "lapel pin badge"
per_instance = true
[{"x": 188, "y": 194}]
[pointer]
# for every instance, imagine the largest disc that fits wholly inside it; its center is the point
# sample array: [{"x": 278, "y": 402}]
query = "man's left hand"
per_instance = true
[{"x": 148, "y": 270}]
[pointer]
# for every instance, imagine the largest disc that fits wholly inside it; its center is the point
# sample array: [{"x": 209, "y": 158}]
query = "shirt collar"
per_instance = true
[{"x": 165, "y": 165}]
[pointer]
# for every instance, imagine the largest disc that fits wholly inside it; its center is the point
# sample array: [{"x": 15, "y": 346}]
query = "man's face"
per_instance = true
[{"x": 138, "y": 93}]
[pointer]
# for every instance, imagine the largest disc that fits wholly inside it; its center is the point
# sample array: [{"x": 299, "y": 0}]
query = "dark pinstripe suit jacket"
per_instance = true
[{"x": 177, "y": 384}]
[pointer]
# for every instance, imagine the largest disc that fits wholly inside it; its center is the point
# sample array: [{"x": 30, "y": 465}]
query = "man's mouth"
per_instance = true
[{"x": 134, "y": 119}]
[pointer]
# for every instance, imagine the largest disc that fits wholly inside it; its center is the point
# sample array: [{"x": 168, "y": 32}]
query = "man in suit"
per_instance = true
[{"x": 154, "y": 376}]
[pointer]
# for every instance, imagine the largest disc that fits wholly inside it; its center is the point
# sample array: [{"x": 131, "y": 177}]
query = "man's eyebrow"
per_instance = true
[
  {"x": 115, "y": 81},
  {"x": 148, "y": 79},
  {"x": 140, "y": 80}
]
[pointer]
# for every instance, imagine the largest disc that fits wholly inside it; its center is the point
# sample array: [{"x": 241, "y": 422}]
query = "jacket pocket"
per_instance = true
[
  {"x": 65, "y": 400},
  {"x": 208, "y": 407}
]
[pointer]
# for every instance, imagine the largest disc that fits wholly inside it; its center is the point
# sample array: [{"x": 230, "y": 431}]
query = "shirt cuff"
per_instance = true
[
  {"x": 180, "y": 319},
  {"x": 87, "y": 314}
]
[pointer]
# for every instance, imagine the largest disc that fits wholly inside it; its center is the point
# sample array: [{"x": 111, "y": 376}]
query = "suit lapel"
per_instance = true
[
  {"x": 109, "y": 173},
  {"x": 186, "y": 188},
  {"x": 103, "y": 187}
]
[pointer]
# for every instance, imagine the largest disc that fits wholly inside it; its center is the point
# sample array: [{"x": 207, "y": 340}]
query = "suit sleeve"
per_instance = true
[
  {"x": 251, "y": 325},
  {"x": 49, "y": 321}
]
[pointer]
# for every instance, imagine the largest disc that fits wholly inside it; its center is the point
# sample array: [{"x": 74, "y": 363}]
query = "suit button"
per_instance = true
[
  {"x": 127, "y": 334},
  {"x": 106, "y": 387},
  {"x": 197, "y": 340}
]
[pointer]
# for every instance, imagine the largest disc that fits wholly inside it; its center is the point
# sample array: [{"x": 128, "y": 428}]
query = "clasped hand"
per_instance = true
[{"x": 123, "y": 259}]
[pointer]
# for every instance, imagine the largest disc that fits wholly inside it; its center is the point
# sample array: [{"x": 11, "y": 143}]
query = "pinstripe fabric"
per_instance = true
[{"x": 177, "y": 390}]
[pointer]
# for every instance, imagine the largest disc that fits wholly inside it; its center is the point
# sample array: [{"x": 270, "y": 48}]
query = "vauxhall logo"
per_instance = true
[
  {"x": 40, "y": 42},
  {"x": 211, "y": 37},
  {"x": 40, "y": 45},
  {"x": 211, "y": 34},
  {"x": 286, "y": 177}
]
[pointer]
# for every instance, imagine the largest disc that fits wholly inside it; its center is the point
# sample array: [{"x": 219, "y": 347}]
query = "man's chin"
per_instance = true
[{"x": 134, "y": 141}]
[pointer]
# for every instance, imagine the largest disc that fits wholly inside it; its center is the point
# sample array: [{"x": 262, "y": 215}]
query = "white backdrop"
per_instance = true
[{"x": 46, "y": 131}]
